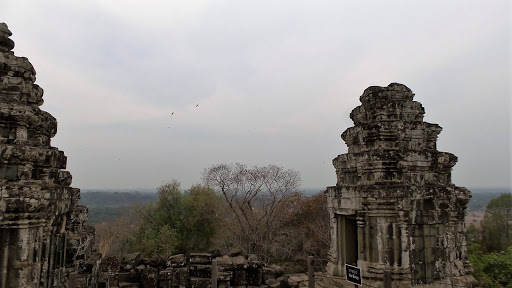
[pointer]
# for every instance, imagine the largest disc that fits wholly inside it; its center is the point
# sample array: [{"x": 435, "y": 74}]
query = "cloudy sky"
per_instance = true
[{"x": 275, "y": 82}]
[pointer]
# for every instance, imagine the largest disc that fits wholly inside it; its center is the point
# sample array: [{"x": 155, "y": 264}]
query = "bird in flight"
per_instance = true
[
  {"x": 172, "y": 113},
  {"x": 197, "y": 104}
]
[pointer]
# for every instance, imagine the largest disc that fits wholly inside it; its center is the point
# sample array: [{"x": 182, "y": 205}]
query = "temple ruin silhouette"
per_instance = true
[
  {"x": 394, "y": 210},
  {"x": 43, "y": 237}
]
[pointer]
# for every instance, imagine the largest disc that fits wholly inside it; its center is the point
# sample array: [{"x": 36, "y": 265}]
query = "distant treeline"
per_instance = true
[
  {"x": 481, "y": 197},
  {"x": 106, "y": 205}
]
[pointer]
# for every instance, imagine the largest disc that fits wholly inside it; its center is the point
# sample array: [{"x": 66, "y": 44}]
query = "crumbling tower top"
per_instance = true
[{"x": 6, "y": 44}]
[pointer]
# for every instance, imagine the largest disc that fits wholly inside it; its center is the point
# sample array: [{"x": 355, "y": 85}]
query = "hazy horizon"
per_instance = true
[{"x": 150, "y": 190}]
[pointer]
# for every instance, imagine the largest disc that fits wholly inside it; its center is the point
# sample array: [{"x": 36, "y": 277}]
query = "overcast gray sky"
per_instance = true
[{"x": 275, "y": 82}]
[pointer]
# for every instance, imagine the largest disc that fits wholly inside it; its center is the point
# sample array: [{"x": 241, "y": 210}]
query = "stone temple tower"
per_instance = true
[
  {"x": 394, "y": 210},
  {"x": 43, "y": 240}
]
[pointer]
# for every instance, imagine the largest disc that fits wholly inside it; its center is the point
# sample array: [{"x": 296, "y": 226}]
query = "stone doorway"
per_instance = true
[{"x": 347, "y": 244}]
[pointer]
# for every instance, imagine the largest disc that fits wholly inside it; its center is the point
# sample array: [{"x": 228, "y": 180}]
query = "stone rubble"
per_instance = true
[
  {"x": 194, "y": 271},
  {"x": 44, "y": 241}
]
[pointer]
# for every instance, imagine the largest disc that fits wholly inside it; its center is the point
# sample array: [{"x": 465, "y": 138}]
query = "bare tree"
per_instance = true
[
  {"x": 256, "y": 197},
  {"x": 112, "y": 236}
]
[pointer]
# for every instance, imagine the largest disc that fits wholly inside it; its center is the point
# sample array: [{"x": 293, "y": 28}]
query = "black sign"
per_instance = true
[{"x": 353, "y": 274}]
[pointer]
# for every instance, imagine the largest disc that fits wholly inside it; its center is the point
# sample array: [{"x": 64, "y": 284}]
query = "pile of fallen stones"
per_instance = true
[{"x": 198, "y": 270}]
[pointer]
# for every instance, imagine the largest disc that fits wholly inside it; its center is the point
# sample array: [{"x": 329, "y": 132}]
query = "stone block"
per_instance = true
[
  {"x": 239, "y": 278},
  {"x": 132, "y": 259},
  {"x": 175, "y": 261},
  {"x": 224, "y": 261},
  {"x": 268, "y": 274},
  {"x": 196, "y": 282},
  {"x": 200, "y": 271},
  {"x": 239, "y": 262},
  {"x": 252, "y": 258},
  {"x": 224, "y": 276},
  {"x": 180, "y": 277},
  {"x": 125, "y": 277},
  {"x": 200, "y": 258},
  {"x": 165, "y": 278},
  {"x": 165, "y": 274},
  {"x": 278, "y": 271},
  {"x": 154, "y": 261},
  {"x": 273, "y": 283},
  {"x": 149, "y": 279},
  {"x": 128, "y": 285},
  {"x": 254, "y": 274},
  {"x": 140, "y": 269},
  {"x": 283, "y": 282}
]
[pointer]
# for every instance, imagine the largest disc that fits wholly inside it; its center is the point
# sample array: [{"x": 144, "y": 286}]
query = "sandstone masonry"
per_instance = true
[
  {"x": 198, "y": 270},
  {"x": 394, "y": 210},
  {"x": 43, "y": 238}
]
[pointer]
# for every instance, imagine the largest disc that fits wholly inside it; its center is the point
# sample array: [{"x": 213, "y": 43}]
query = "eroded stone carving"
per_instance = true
[
  {"x": 43, "y": 239},
  {"x": 394, "y": 210}
]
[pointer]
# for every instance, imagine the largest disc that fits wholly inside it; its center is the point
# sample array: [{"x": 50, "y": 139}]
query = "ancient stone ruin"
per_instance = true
[
  {"x": 43, "y": 239},
  {"x": 198, "y": 270},
  {"x": 394, "y": 210}
]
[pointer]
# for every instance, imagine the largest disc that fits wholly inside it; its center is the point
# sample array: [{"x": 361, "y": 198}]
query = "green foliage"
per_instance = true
[
  {"x": 490, "y": 248},
  {"x": 180, "y": 222},
  {"x": 496, "y": 224},
  {"x": 473, "y": 234},
  {"x": 491, "y": 269}
]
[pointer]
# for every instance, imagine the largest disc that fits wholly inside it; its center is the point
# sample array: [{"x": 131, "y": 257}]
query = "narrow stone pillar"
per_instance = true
[
  {"x": 311, "y": 272},
  {"x": 4, "y": 249},
  {"x": 215, "y": 271},
  {"x": 387, "y": 279}
]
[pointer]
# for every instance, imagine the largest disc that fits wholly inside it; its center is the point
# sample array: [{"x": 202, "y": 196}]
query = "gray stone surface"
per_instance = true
[
  {"x": 189, "y": 274},
  {"x": 179, "y": 260},
  {"x": 43, "y": 233},
  {"x": 394, "y": 207},
  {"x": 200, "y": 258}
]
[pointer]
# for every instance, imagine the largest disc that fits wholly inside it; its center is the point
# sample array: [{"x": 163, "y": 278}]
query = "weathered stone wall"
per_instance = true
[
  {"x": 38, "y": 208},
  {"x": 195, "y": 271},
  {"x": 394, "y": 211}
]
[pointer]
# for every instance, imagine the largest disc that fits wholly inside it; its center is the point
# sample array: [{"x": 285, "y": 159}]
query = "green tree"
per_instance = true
[
  {"x": 492, "y": 269},
  {"x": 497, "y": 224},
  {"x": 180, "y": 222},
  {"x": 473, "y": 234}
]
